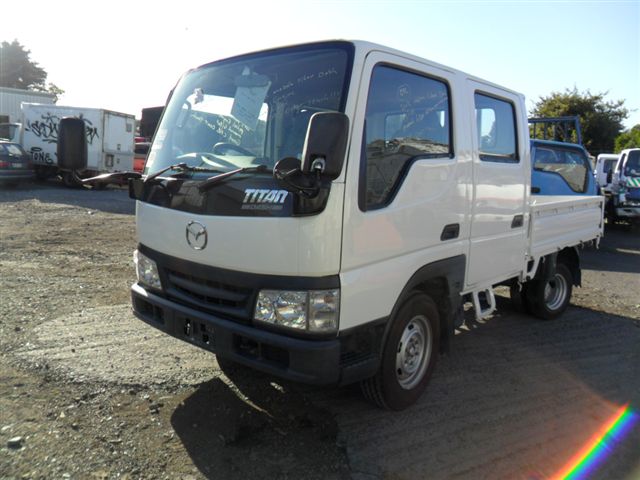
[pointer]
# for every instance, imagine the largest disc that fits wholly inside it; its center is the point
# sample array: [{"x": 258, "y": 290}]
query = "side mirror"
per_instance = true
[
  {"x": 72, "y": 144},
  {"x": 610, "y": 176},
  {"x": 326, "y": 144}
]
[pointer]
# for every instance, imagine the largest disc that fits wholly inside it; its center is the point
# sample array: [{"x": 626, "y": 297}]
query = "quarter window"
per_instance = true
[
  {"x": 496, "y": 129},
  {"x": 407, "y": 119}
]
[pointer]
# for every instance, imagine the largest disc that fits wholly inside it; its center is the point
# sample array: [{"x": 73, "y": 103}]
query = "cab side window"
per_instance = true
[
  {"x": 496, "y": 129},
  {"x": 407, "y": 119}
]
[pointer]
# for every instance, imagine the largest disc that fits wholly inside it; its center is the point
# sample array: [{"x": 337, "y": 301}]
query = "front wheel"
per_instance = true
[
  {"x": 551, "y": 298},
  {"x": 409, "y": 355}
]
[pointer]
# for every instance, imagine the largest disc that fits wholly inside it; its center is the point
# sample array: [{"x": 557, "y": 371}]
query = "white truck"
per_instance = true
[
  {"x": 110, "y": 139},
  {"x": 322, "y": 212},
  {"x": 623, "y": 195},
  {"x": 605, "y": 163}
]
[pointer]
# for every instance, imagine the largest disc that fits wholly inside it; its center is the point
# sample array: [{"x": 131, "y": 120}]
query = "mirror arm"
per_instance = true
[
  {"x": 318, "y": 165},
  {"x": 308, "y": 192}
]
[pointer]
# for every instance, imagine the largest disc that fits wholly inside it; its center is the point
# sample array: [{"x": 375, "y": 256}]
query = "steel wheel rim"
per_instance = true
[
  {"x": 414, "y": 352},
  {"x": 555, "y": 292}
]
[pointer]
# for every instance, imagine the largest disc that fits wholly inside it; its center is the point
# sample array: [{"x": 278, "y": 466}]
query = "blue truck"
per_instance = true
[{"x": 560, "y": 164}]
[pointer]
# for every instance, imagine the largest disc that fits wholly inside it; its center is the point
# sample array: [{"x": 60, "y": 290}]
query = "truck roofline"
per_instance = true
[{"x": 364, "y": 48}]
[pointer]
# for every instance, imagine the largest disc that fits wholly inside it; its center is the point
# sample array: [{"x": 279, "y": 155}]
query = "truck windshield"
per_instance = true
[
  {"x": 632, "y": 166},
  {"x": 250, "y": 110}
]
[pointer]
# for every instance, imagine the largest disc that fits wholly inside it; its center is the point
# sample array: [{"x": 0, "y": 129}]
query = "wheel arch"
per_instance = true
[
  {"x": 443, "y": 281},
  {"x": 570, "y": 257}
]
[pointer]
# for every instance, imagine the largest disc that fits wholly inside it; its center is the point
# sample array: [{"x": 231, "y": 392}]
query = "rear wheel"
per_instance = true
[
  {"x": 549, "y": 299},
  {"x": 409, "y": 355}
]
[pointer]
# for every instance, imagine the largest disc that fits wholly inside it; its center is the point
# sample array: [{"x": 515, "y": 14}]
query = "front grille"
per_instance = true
[{"x": 210, "y": 295}]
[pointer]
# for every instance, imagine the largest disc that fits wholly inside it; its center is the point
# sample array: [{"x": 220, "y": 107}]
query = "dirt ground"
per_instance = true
[{"x": 88, "y": 391}]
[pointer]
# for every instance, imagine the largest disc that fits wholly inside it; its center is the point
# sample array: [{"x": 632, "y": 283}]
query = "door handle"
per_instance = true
[
  {"x": 518, "y": 221},
  {"x": 450, "y": 231}
]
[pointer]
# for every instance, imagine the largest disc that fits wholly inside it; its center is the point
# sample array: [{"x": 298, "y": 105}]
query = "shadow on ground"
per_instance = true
[{"x": 254, "y": 427}]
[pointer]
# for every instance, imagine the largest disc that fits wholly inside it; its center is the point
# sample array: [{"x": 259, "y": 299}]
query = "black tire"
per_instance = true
[
  {"x": 550, "y": 299},
  {"x": 70, "y": 180},
  {"x": 409, "y": 355}
]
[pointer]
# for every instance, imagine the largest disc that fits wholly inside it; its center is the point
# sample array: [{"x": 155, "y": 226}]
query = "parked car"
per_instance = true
[
  {"x": 15, "y": 163},
  {"x": 141, "y": 150},
  {"x": 561, "y": 168}
]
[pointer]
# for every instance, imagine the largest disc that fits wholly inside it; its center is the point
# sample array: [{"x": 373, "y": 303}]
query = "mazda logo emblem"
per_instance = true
[{"x": 196, "y": 235}]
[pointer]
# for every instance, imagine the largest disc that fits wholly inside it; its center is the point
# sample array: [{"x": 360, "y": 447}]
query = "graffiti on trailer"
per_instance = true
[{"x": 47, "y": 128}]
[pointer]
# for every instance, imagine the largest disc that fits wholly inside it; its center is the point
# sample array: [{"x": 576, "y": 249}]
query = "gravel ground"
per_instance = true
[{"x": 88, "y": 391}]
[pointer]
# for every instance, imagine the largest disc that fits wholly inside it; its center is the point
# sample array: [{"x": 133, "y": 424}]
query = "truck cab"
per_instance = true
[
  {"x": 624, "y": 201},
  {"x": 605, "y": 163}
]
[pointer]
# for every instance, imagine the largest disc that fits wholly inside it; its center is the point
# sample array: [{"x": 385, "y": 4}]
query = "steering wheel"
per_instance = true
[
  {"x": 212, "y": 159},
  {"x": 221, "y": 148}
]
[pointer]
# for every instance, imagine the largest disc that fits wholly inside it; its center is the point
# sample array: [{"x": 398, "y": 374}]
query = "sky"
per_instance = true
[{"x": 127, "y": 55}]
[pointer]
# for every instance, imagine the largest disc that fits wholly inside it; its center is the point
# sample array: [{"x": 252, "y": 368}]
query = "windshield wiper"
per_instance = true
[
  {"x": 183, "y": 167},
  {"x": 223, "y": 176}
]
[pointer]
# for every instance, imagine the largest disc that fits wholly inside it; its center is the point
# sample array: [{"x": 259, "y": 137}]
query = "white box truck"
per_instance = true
[
  {"x": 322, "y": 212},
  {"x": 110, "y": 139}
]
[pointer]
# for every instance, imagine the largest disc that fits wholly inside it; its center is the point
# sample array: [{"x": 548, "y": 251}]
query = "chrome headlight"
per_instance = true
[
  {"x": 313, "y": 311},
  {"x": 146, "y": 270}
]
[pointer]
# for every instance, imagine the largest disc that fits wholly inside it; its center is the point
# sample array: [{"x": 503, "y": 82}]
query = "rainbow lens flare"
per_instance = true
[{"x": 599, "y": 446}]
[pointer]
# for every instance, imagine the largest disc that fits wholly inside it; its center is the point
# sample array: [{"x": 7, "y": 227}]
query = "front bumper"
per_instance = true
[
  {"x": 315, "y": 362},
  {"x": 628, "y": 211}
]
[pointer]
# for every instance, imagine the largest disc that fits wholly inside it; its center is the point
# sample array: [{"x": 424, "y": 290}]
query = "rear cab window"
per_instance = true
[{"x": 570, "y": 164}]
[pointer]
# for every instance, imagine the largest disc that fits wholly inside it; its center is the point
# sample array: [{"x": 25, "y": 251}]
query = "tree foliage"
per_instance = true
[
  {"x": 628, "y": 139},
  {"x": 17, "y": 70},
  {"x": 600, "y": 120}
]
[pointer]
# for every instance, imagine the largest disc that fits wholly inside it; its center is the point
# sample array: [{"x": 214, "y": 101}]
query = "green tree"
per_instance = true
[
  {"x": 600, "y": 120},
  {"x": 55, "y": 90},
  {"x": 17, "y": 70},
  {"x": 628, "y": 139}
]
